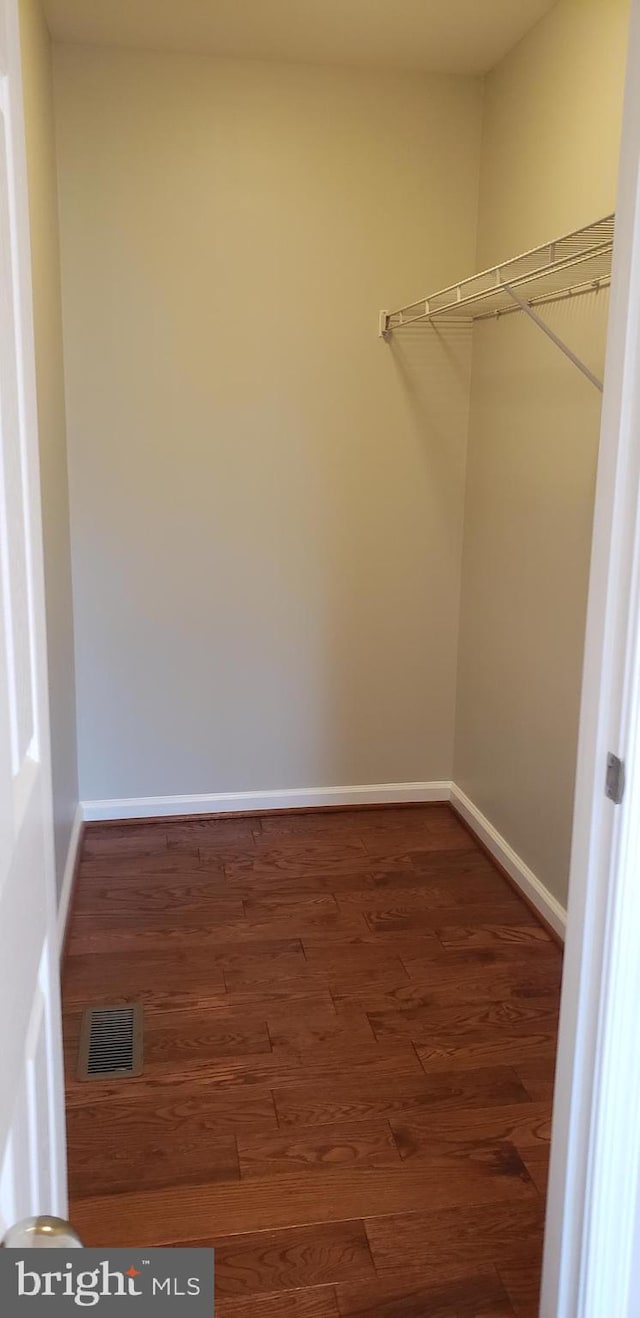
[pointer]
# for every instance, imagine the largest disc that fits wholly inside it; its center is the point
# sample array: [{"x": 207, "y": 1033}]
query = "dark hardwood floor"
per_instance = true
[{"x": 350, "y": 1028}]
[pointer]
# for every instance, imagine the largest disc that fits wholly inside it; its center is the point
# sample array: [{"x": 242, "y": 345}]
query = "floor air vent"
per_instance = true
[{"x": 111, "y": 1043}]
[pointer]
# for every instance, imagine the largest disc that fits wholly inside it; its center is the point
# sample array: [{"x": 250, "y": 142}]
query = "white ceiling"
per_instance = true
[{"x": 444, "y": 36}]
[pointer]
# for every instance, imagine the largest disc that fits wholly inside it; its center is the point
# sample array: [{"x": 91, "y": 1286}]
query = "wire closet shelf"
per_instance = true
[{"x": 574, "y": 264}]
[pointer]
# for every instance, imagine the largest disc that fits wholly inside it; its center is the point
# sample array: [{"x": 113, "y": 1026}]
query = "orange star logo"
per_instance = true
[{"x": 132, "y": 1272}]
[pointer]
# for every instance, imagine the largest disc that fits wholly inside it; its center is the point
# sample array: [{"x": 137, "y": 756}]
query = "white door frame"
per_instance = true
[
  {"x": 594, "y": 1199},
  {"x": 594, "y": 1190},
  {"x": 33, "y": 1173}
]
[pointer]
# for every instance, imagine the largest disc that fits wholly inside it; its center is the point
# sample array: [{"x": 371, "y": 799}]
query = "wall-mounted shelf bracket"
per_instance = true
[
  {"x": 555, "y": 338},
  {"x": 383, "y": 325}
]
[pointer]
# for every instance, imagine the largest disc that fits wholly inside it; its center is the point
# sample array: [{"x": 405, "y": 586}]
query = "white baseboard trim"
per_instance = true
[
  {"x": 69, "y": 872},
  {"x": 540, "y": 897},
  {"x": 301, "y": 798},
  {"x": 148, "y": 807}
]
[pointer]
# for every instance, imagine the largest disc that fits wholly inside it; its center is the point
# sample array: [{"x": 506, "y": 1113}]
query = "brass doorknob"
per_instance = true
[{"x": 42, "y": 1233}]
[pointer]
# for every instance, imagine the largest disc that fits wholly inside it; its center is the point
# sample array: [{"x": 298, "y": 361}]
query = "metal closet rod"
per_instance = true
[{"x": 563, "y": 294}]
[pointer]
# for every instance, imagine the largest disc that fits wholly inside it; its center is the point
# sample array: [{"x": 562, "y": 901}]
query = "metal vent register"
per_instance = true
[{"x": 111, "y": 1042}]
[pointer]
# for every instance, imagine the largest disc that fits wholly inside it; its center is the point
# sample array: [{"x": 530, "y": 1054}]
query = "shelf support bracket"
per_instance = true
[
  {"x": 555, "y": 338},
  {"x": 383, "y": 325}
]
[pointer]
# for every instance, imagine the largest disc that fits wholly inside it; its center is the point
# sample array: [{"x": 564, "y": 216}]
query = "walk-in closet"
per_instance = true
[{"x": 317, "y": 296}]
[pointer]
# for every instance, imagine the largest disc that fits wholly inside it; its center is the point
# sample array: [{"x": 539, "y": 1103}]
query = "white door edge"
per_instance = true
[
  {"x": 32, "y": 1129},
  {"x": 595, "y": 1164}
]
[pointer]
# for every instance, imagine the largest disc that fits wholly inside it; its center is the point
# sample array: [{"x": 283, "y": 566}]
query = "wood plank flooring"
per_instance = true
[{"x": 350, "y": 1031}]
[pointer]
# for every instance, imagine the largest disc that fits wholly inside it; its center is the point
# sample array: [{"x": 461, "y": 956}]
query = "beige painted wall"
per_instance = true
[
  {"x": 549, "y": 164},
  {"x": 43, "y": 207},
  {"x": 266, "y": 500}
]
